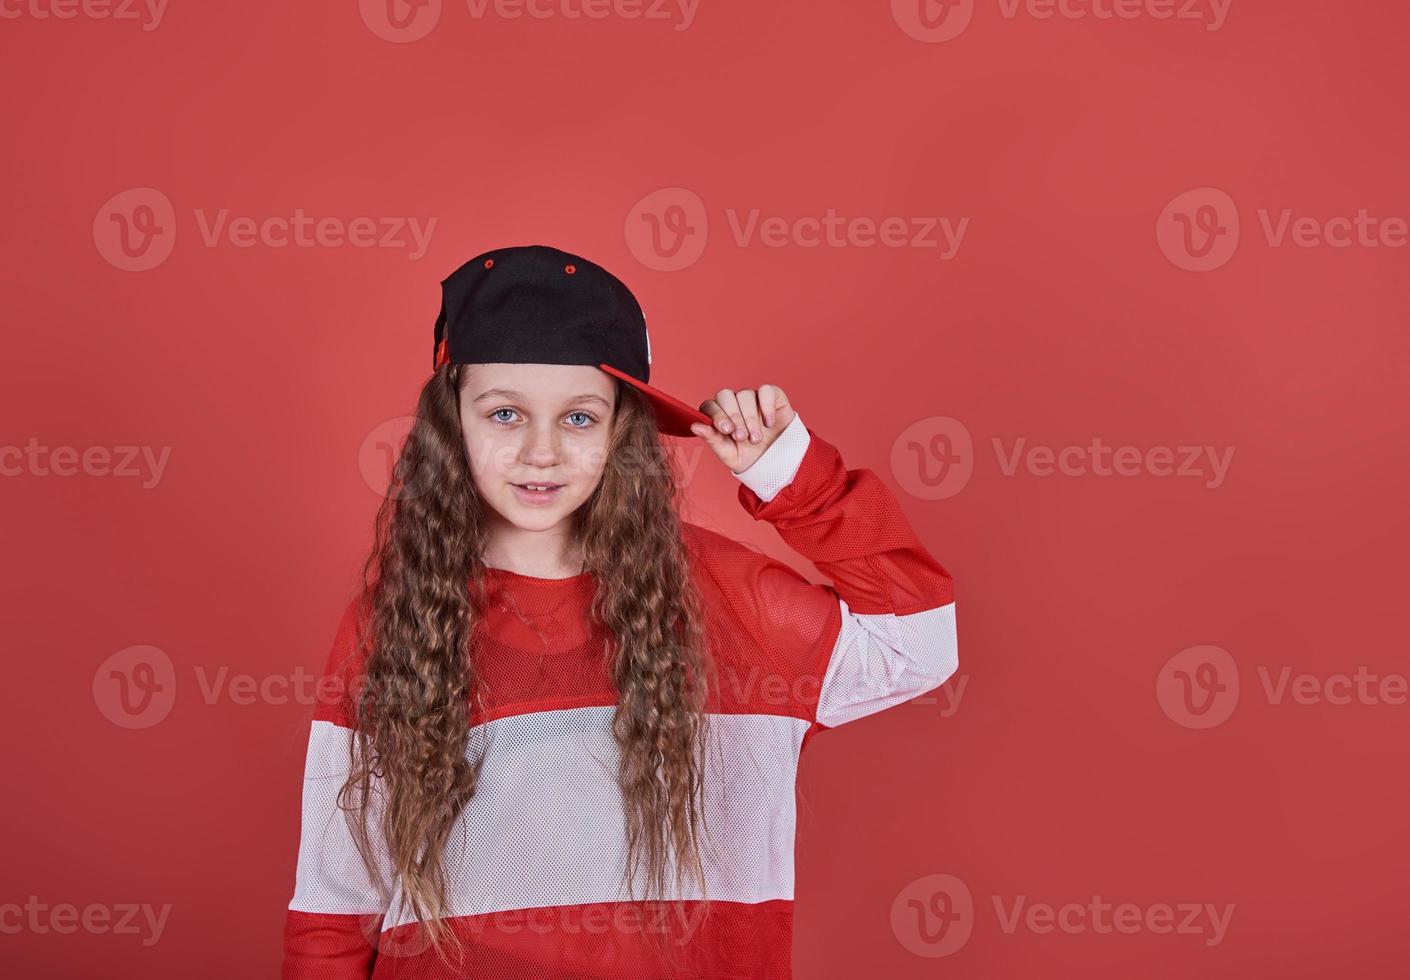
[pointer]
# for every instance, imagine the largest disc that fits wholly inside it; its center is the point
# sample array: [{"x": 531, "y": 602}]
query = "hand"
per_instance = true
[{"x": 746, "y": 423}]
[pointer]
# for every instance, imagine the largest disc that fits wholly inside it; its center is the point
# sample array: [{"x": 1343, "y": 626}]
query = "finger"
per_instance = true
[
  {"x": 719, "y": 418},
  {"x": 767, "y": 394},
  {"x": 718, "y": 422},
  {"x": 782, "y": 411},
  {"x": 720, "y": 444},
  {"x": 749, "y": 409},
  {"x": 735, "y": 421},
  {"x": 712, "y": 408}
]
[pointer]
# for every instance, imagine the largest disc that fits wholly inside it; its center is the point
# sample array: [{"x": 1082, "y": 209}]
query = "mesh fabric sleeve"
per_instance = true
[
  {"x": 333, "y": 922},
  {"x": 883, "y": 631}
]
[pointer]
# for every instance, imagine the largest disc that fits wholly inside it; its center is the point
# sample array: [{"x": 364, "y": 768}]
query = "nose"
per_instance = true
[{"x": 540, "y": 445}]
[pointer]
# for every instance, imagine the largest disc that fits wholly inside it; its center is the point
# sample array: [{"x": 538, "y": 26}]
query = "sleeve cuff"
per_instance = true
[{"x": 775, "y": 469}]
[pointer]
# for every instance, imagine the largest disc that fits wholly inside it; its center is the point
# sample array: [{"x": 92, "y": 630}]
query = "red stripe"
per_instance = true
[{"x": 605, "y": 940}]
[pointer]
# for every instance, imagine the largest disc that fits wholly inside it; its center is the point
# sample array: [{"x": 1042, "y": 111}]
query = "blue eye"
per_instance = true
[{"x": 589, "y": 419}]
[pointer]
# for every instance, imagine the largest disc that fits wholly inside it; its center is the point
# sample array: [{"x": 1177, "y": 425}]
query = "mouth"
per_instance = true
[{"x": 536, "y": 493}]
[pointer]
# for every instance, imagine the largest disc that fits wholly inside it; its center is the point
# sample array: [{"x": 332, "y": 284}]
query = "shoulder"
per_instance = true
[
  {"x": 756, "y": 586},
  {"x": 710, "y": 548}
]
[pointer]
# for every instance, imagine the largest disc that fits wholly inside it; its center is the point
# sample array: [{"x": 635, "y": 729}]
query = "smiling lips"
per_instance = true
[{"x": 536, "y": 493}]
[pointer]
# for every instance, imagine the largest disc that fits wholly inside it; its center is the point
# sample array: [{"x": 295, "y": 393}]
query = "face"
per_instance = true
[{"x": 536, "y": 425}]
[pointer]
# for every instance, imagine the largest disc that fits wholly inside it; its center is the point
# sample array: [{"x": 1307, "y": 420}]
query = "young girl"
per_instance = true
[{"x": 562, "y": 725}]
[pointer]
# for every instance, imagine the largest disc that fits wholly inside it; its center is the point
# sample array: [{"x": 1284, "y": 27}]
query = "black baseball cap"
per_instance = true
[{"x": 535, "y": 304}]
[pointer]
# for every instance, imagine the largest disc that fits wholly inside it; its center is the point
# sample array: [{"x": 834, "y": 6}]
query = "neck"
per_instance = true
[{"x": 551, "y": 553}]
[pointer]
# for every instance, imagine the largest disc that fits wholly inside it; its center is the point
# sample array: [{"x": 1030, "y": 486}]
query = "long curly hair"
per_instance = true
[{"x": 423, "y": 587}]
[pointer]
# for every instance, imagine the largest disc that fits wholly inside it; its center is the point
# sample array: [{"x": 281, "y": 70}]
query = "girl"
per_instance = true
[{"x": 563, "y": 725}]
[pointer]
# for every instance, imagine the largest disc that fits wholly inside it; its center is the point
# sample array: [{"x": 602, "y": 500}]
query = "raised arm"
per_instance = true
[{"x": 893, "y": 637}]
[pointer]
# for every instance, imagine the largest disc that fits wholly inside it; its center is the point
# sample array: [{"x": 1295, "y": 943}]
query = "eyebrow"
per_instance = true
[{"x": 520, "y": 396}]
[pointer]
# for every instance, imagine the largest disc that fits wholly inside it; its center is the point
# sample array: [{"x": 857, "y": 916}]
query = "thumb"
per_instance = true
[{"x": 723, "y": 446}]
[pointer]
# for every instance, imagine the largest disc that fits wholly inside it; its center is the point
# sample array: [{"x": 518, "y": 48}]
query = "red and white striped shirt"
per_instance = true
[{"x": 535, "y": 864}]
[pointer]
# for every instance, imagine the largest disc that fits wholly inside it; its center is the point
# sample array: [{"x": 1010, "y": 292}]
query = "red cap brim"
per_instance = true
[{"x": 673, "y": 416}]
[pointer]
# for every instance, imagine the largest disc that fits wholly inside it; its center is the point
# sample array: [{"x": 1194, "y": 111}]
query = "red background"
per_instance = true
[{"x": 1059, "y": 319}]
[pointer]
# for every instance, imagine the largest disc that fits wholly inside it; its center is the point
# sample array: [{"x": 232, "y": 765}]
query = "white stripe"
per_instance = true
[
  {"x": 883, "y": 659},
  {"x": 546, "y": 824},
  {"x": 330, "y": 876}
]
